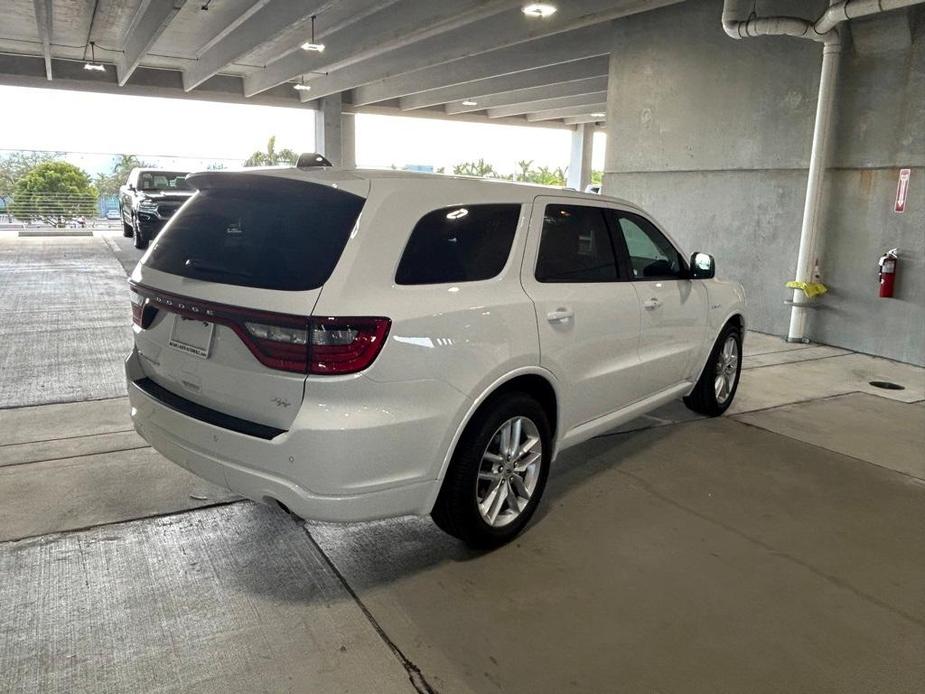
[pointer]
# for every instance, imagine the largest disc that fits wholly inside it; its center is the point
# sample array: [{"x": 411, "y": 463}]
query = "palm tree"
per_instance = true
[{"x": 272, "y": 157}]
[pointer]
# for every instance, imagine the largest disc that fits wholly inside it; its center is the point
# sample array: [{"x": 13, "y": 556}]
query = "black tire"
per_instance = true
[
  {"x": 456, "y": 510},
  {"x": 126, "y": 228},
  {"x": 138, "y": 237},
  {"x": 703, "y": 399}
]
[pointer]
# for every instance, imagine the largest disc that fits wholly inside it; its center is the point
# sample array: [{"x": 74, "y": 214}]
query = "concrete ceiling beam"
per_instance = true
[
  {"x": 558, "y": 113},
  {"x": 512, "y": 28},
  {"x": 148, "y": 24},
  {"x": 497, "y": 86},
  {"x": 44, "y": 22},
  {"x": 261, "y": 25},
  {"x": 547, "y": 104},
  {"x": 529, "y": 95},
  {"x": 574, "y": 45},
  {"x": 394, "y": 27}
]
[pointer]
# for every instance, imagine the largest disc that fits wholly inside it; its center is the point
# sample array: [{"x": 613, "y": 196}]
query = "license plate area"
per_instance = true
[{"x": 192, "y": 336}]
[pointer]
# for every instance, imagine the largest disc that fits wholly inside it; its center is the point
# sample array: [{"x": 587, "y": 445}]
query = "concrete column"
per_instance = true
[
  {"x": 579, "y": 168},
  {"x": 328, "y": 129},
  {"x": 348, "y": 140},
  {"x": 613, "y": 105}
]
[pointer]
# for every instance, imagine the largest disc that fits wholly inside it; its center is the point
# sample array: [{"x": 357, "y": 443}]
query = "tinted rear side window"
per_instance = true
[
  {"x": 258, "y": 231},
  {"x": 575, "y": 246},
  {"x": 464, "y": 243}
]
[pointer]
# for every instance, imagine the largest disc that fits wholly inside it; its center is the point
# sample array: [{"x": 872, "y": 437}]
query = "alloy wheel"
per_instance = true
[
  {"x": 727, "y": 370},
  {"x": 509, "y": 471}
]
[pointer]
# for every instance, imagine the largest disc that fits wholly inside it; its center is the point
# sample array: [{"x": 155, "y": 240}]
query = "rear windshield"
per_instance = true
[{"x": 269, "y": 233}]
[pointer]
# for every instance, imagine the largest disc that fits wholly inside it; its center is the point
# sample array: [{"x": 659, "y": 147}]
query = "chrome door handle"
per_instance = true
[
  {"x": 652, "y": 304},
  {"x": 559, "y": 315}
]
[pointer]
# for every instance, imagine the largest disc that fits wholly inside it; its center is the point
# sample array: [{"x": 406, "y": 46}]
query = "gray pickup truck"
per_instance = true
[{"x": 148, "y": 199}]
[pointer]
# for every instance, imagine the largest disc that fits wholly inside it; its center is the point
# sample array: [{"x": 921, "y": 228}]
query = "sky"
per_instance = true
[{"x": 191, "y": 134}]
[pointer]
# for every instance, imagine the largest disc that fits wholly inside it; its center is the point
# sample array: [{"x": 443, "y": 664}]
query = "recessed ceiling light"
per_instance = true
[
  {"x": 312, "y": 45},
  {"x": 598, "y": 115},
  {"x": 539, "y": 9},
  {"x": 470, "y": 102}
]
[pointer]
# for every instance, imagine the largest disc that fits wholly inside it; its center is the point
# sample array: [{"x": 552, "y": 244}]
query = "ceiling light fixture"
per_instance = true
[
  {"x": 598, "y": 115},
  {"x": 470, "y": 102},
  {"x": 311, "y": 45},
  {"x": 539, "y": 9},
  {"x": 301, "y": 86},
  {"x": 92, "y": 64}
]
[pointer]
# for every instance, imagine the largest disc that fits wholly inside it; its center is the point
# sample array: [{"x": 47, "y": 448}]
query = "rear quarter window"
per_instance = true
[
  {"x": 462, "y": 243},
  {"x": 258, "y": 231}
]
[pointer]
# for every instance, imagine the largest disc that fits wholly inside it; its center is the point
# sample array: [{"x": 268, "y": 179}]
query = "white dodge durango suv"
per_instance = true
[{"x": 359, "y": 344}]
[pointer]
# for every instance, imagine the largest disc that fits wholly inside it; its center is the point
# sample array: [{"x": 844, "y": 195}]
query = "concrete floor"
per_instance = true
[{"x": 775, "y": 549}]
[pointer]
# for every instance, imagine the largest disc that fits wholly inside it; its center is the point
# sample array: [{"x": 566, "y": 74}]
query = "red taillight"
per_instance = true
[
  {"x": 328, "y": 346},
  {"x": 138, "y": 306},
  {"x": 345, "y": 345}
]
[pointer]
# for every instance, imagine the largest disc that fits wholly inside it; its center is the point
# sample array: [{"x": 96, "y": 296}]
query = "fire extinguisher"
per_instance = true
[{"x": 888, "y": 263}]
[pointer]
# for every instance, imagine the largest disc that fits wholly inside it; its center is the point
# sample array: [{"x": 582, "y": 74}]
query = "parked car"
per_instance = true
[
  {"x": 148, "y": 199},
  {"x": 363, "y": 344},
  {"x": 113, "y": 214}
]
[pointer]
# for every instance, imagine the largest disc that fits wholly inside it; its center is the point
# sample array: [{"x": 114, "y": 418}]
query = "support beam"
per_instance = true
[
  {"x": 547, "y": 104},
  {"x": 348, "y": 140},
  {"x": 397, "y": 26},
  {"x": 579, "y": 168},
  {"x": 511, "y": 28},
  {"x": 579, "y": 120},
  {"x": 261, "y": 26},
  {"x": 552, "y": 50},
  {"x": 557, "y": 113},
  {"x": 530, "y": 95},
  {"x": 527, "y": 79},
  {"x": 149, "y": 23},
  {"x": 44, "y": 20},
  {"x": 328, "y": 132}
]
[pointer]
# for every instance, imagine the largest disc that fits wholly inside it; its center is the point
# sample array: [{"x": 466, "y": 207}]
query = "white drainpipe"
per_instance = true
[{"x": 738, "y": 24}]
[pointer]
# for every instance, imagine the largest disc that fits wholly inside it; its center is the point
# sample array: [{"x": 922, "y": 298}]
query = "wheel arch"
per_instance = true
[
  {"x": 737, "y": 318},
  {"x": 536, "y": 382}
]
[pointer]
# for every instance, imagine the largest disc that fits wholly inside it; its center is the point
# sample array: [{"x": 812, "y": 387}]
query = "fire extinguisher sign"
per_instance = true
[{"x": 902, "y": 191}]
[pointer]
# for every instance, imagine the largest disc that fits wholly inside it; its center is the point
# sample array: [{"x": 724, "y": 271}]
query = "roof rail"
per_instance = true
[{"x": 312, "y": 160}]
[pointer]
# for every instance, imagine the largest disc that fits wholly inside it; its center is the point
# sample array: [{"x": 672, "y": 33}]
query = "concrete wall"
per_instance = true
[{"x": 713, "y": 135}]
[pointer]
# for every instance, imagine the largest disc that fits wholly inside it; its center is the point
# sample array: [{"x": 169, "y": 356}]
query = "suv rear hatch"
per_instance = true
[{"x": 222, "y": 301}]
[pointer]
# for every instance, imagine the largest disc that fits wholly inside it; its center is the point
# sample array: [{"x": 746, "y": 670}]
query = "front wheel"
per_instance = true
[
  {"x": 498, "y": 473},
  {"x": 139, "y": 238},
  {"x": 719, "y": 381},
  {"x": 126, "y": 228}
]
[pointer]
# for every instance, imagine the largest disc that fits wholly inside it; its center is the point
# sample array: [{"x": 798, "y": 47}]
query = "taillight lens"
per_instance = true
[
  {"x": 138, "y": 306},
  {"x": 345, "y": 345},
  {"x": 330, "y": 346}
]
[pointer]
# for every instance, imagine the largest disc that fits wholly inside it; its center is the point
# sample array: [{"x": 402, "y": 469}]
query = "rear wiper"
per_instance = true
[{"x": 202, "y": 266}]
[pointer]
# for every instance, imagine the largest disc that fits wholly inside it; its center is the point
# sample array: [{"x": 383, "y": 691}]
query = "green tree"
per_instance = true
[
  {"x": 480, "y": 168},
  {"x": 272, "y": 156},
  {"x": 15, "y": 165},
  {"x": 597, "y": 177},
  {"x": 108, "y": 184},
  {"x": 53, "y": 192}
]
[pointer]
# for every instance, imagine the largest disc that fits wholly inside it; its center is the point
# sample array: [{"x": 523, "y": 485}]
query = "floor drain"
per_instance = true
[{"x": 887, "y": 385}]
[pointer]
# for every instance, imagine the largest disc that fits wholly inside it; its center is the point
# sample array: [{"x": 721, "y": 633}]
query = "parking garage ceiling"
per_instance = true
[{"x": 496, "y": 60}]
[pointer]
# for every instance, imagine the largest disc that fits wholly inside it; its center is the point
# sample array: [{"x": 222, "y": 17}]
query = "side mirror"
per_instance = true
[
  {"x": 703, "y": 266},
  {"x": 130, "y": 186}
]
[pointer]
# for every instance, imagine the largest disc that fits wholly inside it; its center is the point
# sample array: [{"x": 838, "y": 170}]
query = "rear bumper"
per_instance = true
[{"x": 279, "y": 469}]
